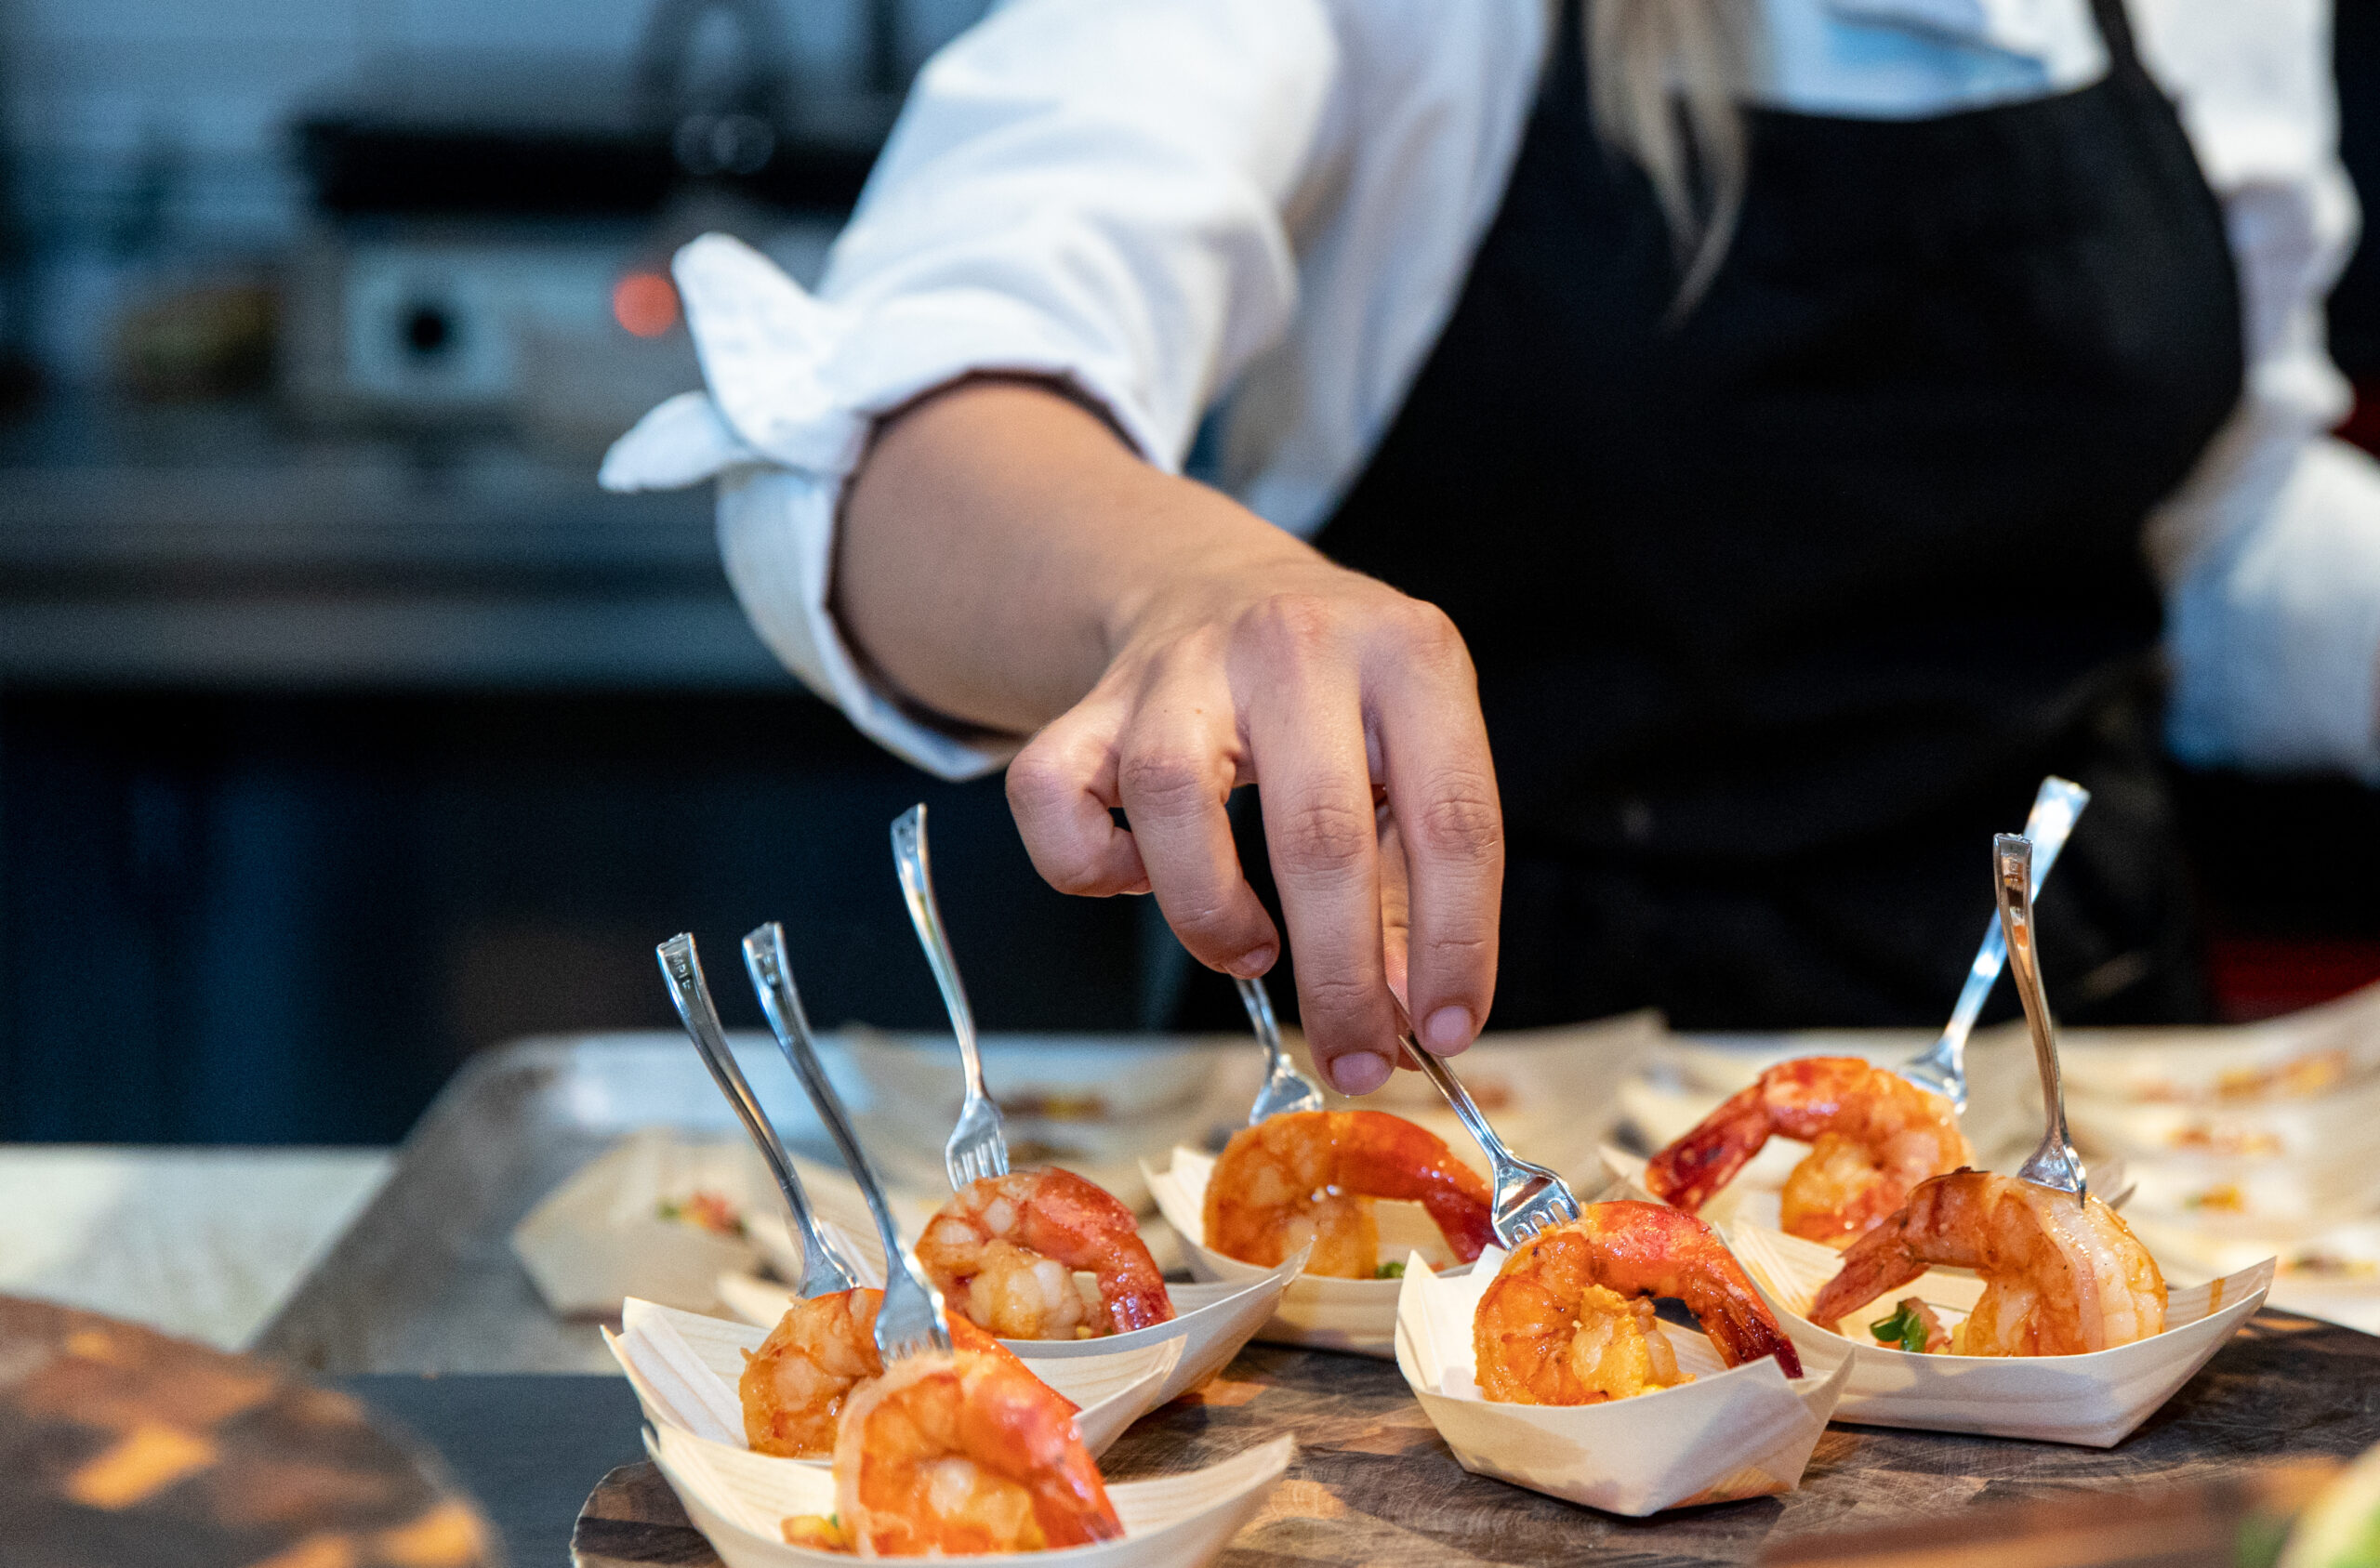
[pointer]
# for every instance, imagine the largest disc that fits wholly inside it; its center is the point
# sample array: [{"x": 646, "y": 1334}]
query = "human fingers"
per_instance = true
[
  {"x": 1060, "y": 789},
  {"x": 1441, "y": 785},
  {"x": 1297, "y": 680},
  {"x": 1395, "y": 901},
  {"x": 1176, "y": 763}
]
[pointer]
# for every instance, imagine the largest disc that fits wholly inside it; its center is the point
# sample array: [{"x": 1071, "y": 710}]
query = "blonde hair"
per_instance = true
[{"x": 1666, "y": 78}]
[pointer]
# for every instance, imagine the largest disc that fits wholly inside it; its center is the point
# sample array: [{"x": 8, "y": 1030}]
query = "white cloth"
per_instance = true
[{"x": 1266, "y": 207}]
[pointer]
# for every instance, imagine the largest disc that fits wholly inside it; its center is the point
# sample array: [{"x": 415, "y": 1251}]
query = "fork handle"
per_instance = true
[
  {"x": 2056, "y": 806},
  {"x": 823, "y": 1268},
  {"x": 915, "y": 869},
  {"x": 2012, "y": 858},
  {"x": 1466, "y": 1109},
  {"x": 1253, "y": 996},
  {"x": 764, "y": 957}
]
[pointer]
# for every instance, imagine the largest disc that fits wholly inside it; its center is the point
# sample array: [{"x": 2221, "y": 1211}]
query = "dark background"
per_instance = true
[{"x": 283, "y": 911}]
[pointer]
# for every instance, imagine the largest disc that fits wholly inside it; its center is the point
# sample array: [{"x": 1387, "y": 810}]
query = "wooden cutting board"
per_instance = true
[
  {"x": 121, "y": 1447},
  {"x": 1373, "y": 1482}
]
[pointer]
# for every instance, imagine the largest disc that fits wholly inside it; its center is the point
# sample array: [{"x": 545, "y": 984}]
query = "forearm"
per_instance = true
[
  {"x": 1007, "y": 561},
  {"x": 1000, "y": 542}
]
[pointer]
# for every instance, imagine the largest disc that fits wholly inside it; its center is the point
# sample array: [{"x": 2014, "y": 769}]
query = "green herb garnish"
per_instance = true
[
  {"x": 1391, "y": 1272},
  {"x": 1904, "y": 1326},
  {"x": 2260, "y": 1540}
]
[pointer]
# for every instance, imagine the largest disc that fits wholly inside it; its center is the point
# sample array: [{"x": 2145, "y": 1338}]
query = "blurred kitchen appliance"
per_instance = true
[
  {"x": 481, "y": 221},
  {"x": 424, "y": 323}
]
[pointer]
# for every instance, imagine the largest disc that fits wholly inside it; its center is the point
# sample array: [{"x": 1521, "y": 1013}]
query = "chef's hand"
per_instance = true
[
  {"x": 1357, "y": 709},
  {"x": 1008, "y": 561}
]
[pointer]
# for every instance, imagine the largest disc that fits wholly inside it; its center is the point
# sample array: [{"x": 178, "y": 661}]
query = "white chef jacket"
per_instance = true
[{"x": 1261, "y": 212}]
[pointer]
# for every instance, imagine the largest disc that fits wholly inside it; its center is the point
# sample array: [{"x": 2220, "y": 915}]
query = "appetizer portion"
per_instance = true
[
  {"x": 2059, "y": 1278},
  {"x": 1311, "y": 1176},
  {"x": 1914, "y": 1326},
  {"x": 1569, "y": 1319},
  {"x": 1874, "y": 1135},
  {"x": 795, "y": 1386},
  {"x": 1043, "y": 1254},
  {"x": 705, "y": 1210},
  {"x": 959, "y": 1456}
]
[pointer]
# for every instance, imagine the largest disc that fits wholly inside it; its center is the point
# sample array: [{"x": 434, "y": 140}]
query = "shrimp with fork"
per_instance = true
[
  {"x": 962, "y": 1454},
  {"x": 795, "y": 1385},
  {"x": 1312, "y": 1175},
  {"x": 1569, "y": 1319},
  {"x": 1874, "y": 1135},
  {"x": 1004, "y": 1252},
  {"x": 2061, "y": 1278}
]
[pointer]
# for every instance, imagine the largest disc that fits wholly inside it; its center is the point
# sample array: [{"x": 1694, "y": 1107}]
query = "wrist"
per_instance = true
[{"x": 1219, "y": 557}]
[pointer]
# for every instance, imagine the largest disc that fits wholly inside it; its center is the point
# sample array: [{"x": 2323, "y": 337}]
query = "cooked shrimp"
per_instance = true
[
  {"x": 794, "y": 1386},
  {"x": 2059, "y": 1278},
  {"x": 1312, "y": 1174},
  {"x": 1563, "y": 1322},
  {"x": 1004, "y": 1251},
  {"x": 964, "y": 1453},
  {"x": 1876, "y": 1134}
]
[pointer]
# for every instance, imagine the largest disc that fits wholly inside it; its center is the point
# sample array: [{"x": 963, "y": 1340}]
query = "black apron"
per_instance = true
[{"x": 1782, "y": 609}]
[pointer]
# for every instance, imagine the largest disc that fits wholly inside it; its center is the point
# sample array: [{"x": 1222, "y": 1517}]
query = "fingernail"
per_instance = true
[
  {"x": 1448, "y": 1031},
  {"x": 1254, "y": 962},
  {"x": 1359, "y": 1073}
]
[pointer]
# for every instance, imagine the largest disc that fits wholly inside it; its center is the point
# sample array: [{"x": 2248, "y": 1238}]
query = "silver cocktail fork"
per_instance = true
[
  {"x": 2055, "y": 1164},
  {"x": 1528, "y": 1197},
  {"x": 824, "y": 1268},
  {"x": 977, "y": 1148},
  {"x": 1286, "y": 1088},
  {"x": 910, "y": 1321},
  {"x": 1943, "y": 1068}
]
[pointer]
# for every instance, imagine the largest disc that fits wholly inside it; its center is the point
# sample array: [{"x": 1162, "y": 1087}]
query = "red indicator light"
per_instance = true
[{"x": 645, "y": 303}]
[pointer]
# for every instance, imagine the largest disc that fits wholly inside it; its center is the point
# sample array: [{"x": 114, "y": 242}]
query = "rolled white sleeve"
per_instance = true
[
  {"x": 2270, "y": 553},
  {"x": 1086, "y": 190}
]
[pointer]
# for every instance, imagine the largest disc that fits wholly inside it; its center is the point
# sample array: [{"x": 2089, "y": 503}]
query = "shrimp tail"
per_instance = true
[
  {"x": 1691, "y": 1170},
  {"x": 959, "y": 1454},
  {"x": 1387, "y": 1156},
  {"x": 1883, "y": 1259},
  {"x": 1018, "y": 1419},
  {"x": 1077, "y": 1220},
  {"x": 1463, "y": 1219},
  {"x": 1136, "y": 1297},
  {"x": 1668, "y": 1253},
  {"x": 1528, "y": 1325},
  {"x": 1742, "y": 1328},
  {"x": 992, "y": 1250}
]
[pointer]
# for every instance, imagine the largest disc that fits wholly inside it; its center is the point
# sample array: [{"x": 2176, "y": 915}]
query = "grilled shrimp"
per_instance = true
[
  {"x": 1876, "y": 1134},
  {"x": 2059, "y": 1278},
  {"x": 1566, "y": 1320},
  {"x": 1004, "y": 1251},
  {"x": 1311, "y": 1174},
  {"x": 962, "y": 1454},
  {"x": 794, "y": 1386}
]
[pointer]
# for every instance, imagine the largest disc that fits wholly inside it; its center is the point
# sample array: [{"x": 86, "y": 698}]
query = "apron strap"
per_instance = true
[{"x": 2115, "y": 31}]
